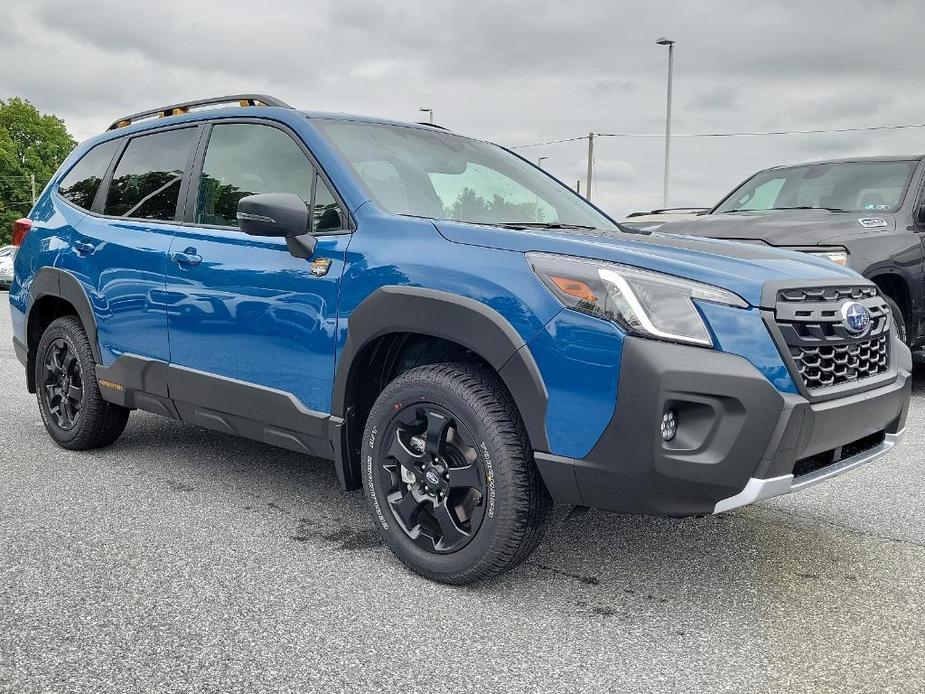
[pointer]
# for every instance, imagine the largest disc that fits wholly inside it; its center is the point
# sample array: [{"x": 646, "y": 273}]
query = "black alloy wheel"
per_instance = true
[
  {"x": 449, "y": 473},
  {"x": 74, "y": 412},
  {"x": 62, "y": 384},
  {"x": 436, "y": 488}
]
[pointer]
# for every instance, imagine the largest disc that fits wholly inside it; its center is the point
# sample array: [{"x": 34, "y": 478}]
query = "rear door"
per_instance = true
[
  {"x": 120, "y": 250},
  {"x": 247, "y": 319}
]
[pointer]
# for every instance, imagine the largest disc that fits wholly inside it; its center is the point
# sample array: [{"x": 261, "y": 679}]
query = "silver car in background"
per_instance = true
[{"x": 7, "y": 255}]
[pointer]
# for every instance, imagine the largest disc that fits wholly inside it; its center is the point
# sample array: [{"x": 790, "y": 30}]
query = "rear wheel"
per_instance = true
[
  {"x": 449, "y": 474},
  {"x": 74, "y": 412}
]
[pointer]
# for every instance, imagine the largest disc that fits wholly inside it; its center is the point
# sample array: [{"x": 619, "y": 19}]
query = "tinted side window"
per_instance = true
[
  {"x": 146, "y": 182},
  {"x": 83, "y": 181},
  {"x": 326, "y": 215},
  {"x": 244, "y": 159}
]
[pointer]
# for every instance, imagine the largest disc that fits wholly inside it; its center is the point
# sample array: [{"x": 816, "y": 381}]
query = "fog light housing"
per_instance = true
[{"x": 669, "y": 425}]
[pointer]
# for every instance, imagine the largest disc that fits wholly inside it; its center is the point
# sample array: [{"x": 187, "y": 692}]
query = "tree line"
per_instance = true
[{"x": 32, "y": 144}]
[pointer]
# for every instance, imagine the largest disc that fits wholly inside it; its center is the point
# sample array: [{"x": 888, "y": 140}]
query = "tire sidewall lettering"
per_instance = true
[
  {"x": 489, "y": 479},
  {"x": 370, "y": 483}
]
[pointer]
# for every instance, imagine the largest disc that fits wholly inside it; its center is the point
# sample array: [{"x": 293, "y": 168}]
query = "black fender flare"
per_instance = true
[
  {"x": 465, "y": 321},
  {"x": 51, "y": 281}
]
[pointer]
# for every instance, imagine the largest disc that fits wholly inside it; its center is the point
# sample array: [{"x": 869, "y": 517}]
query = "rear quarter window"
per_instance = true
[{"x": 82, "y": 182}]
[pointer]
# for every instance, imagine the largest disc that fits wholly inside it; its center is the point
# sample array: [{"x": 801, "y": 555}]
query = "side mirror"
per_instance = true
[{"x": 282, "y": 215}]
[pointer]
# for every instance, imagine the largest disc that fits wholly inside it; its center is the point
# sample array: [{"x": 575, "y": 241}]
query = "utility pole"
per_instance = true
[
  {"x": 667, "y": 42},
  {"x": 578, "y": 186},
  {"x": 32, "y": 181},
  {"x": 590, "y": 166}
]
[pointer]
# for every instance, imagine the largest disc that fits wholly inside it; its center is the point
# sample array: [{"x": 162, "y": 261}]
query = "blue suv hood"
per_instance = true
[{"x": 739, "y": 267}]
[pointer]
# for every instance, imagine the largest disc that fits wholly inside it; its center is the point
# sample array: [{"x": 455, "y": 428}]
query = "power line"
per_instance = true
[
  {"x": 551, "y": 142},
  {"x": 772, "y": 132},
  {"x": 904, "y": 126}
]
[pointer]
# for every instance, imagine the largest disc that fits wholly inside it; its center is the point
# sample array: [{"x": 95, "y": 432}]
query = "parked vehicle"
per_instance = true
[
  {"x": 649, "y": 221},
  {"x": 865, "y": 213},
  {"x": 462, "y": 334},
  {"x": 7, "y": 254}
]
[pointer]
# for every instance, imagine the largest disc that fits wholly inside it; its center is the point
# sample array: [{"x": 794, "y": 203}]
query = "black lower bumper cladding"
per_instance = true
[{"x": 739, "y": 439}]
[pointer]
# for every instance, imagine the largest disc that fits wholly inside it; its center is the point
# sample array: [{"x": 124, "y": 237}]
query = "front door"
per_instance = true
[{"x": 252, "y": 328}]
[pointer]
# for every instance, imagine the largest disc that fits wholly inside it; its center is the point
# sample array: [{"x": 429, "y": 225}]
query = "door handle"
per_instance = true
[
  {"x": 84, "y": 248},
  {"x": 187, "y": 257}
]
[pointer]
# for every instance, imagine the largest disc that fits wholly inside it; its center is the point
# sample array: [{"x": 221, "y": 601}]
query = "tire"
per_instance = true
[
  {"x": 64, "y": 362},
  {"x": 898, "y": 320},
  {"x": 492, "y": 491}
]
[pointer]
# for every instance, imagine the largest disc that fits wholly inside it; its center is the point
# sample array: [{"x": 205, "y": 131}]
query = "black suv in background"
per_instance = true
[{"x": 866, "y": 213}]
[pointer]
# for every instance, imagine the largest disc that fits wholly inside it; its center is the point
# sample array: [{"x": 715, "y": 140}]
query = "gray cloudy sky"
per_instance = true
[{"x": 510, "y": 71}]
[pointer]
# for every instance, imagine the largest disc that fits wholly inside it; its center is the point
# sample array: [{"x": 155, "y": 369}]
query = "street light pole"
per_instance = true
[
  {"x": 667, "y": 42},
  {"x": 540, "y": 160},
  {"x": 429, "y": 111}
]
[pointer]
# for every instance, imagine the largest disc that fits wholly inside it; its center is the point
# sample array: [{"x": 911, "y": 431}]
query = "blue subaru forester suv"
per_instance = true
[{"x": 465, "y": 337}]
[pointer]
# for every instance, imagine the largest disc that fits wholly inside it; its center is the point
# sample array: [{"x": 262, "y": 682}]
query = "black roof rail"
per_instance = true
[{"x": 186, "y": 106}]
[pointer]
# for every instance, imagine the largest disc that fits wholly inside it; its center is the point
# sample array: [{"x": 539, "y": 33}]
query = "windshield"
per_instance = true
[
  {"x": 431, "y": 173},
  {"x": 868, "y": 186}
]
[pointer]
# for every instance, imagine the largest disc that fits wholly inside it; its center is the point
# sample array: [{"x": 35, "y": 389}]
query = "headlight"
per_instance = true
[
  {"x": 837, "y": 257},
  {"x": 644, "y": 303}
]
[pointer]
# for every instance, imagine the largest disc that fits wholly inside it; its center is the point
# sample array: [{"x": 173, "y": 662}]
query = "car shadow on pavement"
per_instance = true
[{"x": 615, "y": 562}]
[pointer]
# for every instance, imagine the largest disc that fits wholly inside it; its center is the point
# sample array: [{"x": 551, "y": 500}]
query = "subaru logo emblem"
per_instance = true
[{"x": 855, "y": 318}]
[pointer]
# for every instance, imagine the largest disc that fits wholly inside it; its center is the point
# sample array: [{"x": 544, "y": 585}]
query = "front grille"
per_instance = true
[
  {"x": 822, "y": 367},
  {"x": 824, "y": 354}
]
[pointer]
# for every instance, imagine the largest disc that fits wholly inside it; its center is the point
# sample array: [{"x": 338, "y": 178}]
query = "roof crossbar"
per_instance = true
[{"x": 186, "y": 106}]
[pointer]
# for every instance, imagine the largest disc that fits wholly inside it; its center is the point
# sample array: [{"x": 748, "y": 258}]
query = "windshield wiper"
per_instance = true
[
  {"x": 796, "y": 207},
  {"x": 557, "y": 225},
  {"x": 811, "y": 207},
  {"x": 542, "y": 225},
  {"x": 636, "y": 230}
]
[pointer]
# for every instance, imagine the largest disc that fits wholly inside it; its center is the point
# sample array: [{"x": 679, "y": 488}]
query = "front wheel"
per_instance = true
[
  {"x": 898, "y": 320},
  {"x": 449, "y": 474}
]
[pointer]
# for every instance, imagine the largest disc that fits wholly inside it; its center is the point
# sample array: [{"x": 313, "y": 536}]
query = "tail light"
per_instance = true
[{"x": 21, "y": 227}]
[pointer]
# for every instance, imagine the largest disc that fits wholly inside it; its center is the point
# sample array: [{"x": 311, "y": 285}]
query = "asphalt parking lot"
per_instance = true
[{"x": 185, "y": 560}]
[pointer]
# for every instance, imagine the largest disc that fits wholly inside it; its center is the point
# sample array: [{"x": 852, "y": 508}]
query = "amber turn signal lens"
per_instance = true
[{"x": 575, "y": 288}]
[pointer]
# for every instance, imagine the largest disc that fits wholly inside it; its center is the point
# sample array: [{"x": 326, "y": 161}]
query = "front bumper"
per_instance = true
[
  {"x": 758, "y": 488},
  {"x": 739, "y": 439}
]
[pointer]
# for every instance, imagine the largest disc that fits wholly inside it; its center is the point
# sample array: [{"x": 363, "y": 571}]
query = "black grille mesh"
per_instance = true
[
  {"x": 824, "y": 353},
  {"x": 831, "y": 365}
]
